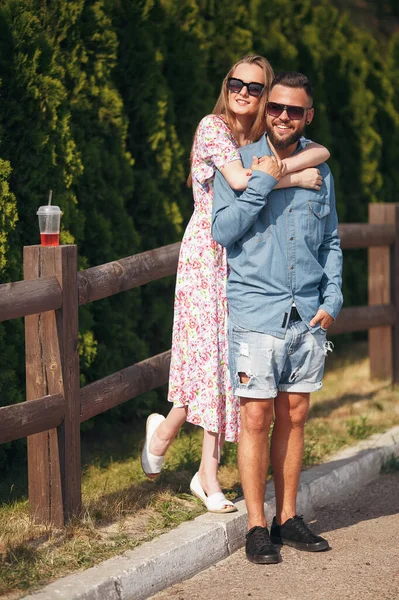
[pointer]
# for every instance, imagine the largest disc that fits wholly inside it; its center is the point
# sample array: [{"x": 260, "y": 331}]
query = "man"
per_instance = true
[{"x": 283, "y": 291}]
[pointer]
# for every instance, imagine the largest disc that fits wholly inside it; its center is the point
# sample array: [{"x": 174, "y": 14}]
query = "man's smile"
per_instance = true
[{"x": 283, "y": 128}]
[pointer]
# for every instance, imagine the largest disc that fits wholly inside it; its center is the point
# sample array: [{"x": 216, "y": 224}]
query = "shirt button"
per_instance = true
[
  {"x": 292, "y": 268},
  {"x": 290, "y": 210},
  {"x": 291, "y": 238}
]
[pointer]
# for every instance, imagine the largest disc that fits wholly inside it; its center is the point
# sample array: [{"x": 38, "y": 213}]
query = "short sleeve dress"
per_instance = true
[{"x": 199, "y": 375}]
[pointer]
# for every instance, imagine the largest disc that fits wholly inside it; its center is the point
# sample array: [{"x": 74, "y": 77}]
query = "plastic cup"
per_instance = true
[{"x": 49, "y": 225}]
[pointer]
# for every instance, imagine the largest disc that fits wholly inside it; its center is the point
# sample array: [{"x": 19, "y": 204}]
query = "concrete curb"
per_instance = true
[{"x": 198, "y": 544}]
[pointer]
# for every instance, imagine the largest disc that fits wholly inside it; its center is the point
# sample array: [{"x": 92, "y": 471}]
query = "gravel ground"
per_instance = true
[{"x": 363, "y": 562}]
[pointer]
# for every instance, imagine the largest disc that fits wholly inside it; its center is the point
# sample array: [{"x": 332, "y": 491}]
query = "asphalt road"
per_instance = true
[{"x": 363, "y": 563}]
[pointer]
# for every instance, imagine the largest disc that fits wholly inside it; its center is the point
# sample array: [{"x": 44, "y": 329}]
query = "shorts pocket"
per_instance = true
[{"x": 239, "y": 329}]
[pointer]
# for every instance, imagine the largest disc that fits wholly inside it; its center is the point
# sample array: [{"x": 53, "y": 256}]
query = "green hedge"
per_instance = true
[{"x": 99, "y": 100}]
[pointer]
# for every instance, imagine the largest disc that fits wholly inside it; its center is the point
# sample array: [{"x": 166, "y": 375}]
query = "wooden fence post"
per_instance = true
[
  {"x": 395, "y": 298},
  {"x": 52, "y": 367},
  {"x": 383, "y": 289}
]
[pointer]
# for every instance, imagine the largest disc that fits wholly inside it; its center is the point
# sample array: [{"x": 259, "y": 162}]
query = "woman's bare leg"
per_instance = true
[
  {"x": 166, "y": 432},
  {"x": 208, "y": 469}
]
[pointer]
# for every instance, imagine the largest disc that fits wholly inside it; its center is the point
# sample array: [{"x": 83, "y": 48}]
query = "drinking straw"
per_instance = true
[{"x": 50, "y": 196}]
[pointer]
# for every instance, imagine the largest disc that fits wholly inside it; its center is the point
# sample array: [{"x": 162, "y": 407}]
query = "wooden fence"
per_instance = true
[{"x": 49, "y": 298}]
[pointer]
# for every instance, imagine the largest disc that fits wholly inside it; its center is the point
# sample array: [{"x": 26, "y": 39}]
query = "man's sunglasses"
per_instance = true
[
  {"x": 295, "y": 113},
  {"x": 235, "y": 85}
]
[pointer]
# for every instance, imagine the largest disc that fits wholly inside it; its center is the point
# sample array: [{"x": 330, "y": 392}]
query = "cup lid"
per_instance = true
[{"x": 48, "y": 209}]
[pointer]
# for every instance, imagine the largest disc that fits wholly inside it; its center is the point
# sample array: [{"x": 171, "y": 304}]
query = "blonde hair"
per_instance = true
[{"x": 222, "y": 107}]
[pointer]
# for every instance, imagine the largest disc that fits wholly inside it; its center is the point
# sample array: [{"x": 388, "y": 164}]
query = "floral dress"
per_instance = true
[{"x": 199, "y": 375}]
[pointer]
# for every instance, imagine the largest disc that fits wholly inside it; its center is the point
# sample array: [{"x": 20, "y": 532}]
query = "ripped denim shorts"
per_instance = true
[{"x": 292, "y": 364}]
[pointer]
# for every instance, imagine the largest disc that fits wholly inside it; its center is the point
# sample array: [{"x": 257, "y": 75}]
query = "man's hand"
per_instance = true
[
  {"x": 272, "y": 165},
  {"x": 322, "y": 318}
]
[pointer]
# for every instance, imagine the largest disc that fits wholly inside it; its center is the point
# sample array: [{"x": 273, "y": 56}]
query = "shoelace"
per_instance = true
[
  {"x": 299, "y": 523},
  {"x": 260, "y": 538}
]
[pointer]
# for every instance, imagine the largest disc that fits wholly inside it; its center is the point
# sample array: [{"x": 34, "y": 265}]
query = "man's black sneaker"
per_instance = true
[
  {"x": 297, "y": 534},
  {"x": 259, "y": 548}
]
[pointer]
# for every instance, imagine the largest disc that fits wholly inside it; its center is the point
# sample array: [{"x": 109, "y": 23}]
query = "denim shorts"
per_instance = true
[{"x": 292, "y": 364}]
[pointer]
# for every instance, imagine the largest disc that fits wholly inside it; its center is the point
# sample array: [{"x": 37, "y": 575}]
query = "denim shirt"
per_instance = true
[{"x": 282, "y": 248}]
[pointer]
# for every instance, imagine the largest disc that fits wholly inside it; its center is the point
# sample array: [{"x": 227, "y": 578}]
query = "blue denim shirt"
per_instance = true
[{"x": 282, "y": 247}]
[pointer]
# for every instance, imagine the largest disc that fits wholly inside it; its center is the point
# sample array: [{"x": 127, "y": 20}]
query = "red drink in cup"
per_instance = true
[
  {"x": 49, "y": 225},
  {"x": 50, "y": 239}
]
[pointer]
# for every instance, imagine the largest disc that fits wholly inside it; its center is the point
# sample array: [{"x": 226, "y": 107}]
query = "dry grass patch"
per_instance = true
[
  {"x": 122, "y": 508},
  {"x": 34, "y": 554},
  {"x": 349, "y": 408}
]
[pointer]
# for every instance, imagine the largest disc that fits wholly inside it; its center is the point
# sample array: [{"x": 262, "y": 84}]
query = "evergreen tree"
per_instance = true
[{"x": 100, "y": 101}]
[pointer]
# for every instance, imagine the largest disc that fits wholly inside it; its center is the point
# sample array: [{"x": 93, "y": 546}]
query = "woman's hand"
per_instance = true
[
  {"x": 272, "y": 165},
  {"x": 309, "y": 178}
]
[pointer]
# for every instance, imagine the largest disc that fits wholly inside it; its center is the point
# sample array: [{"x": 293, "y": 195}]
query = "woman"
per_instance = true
[{"x": 199, "y": 383}]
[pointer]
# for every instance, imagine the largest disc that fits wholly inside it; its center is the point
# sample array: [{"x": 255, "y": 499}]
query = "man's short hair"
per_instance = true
[{"x": 293, "y": 80}]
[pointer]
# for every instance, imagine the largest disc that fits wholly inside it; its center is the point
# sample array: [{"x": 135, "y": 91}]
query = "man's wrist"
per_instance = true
[
  {"x": 261, "y": 182},
  {"x": 333, "y": 313}
]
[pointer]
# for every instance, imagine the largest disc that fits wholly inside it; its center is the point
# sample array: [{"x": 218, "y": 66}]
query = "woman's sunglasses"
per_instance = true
[
  {"x": 295, "y": 113},
  {"x": 235, "y": 85}
]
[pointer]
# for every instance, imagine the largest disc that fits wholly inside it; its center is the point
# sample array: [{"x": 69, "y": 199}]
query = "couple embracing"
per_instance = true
[{"x": 258, "y": 285}]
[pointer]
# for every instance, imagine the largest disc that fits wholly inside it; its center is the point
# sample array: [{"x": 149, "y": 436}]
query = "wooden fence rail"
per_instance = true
[
  {"x": 49, "y": 297},
  {"x": 28, "y": 297}
]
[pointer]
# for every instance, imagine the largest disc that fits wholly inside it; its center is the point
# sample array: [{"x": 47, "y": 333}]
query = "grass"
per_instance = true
[{"x": 122, "y": 508}]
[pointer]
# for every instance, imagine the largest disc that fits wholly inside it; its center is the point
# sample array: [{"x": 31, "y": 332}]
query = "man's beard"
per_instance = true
[{"x": 281, "y": 144}]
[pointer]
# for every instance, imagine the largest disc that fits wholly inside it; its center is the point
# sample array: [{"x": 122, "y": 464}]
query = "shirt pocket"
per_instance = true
[{"x": 318, "y": 211}]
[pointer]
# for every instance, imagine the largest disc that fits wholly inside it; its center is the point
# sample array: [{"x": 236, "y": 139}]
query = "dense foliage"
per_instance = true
[{"x": 99, "y": 100}]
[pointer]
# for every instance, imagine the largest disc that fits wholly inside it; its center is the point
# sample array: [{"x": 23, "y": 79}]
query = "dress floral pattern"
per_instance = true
[{"x": 199, "y": 375}]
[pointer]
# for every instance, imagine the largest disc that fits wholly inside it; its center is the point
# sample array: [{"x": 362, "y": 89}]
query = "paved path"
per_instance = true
[{"x": 363, "y": 564}]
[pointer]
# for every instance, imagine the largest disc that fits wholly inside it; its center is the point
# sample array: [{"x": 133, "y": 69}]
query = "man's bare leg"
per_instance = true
[
  {"x": 291, "y": 411},
  {"x": 286, "y": 455},
  {"x": 253, "y": 456}
]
